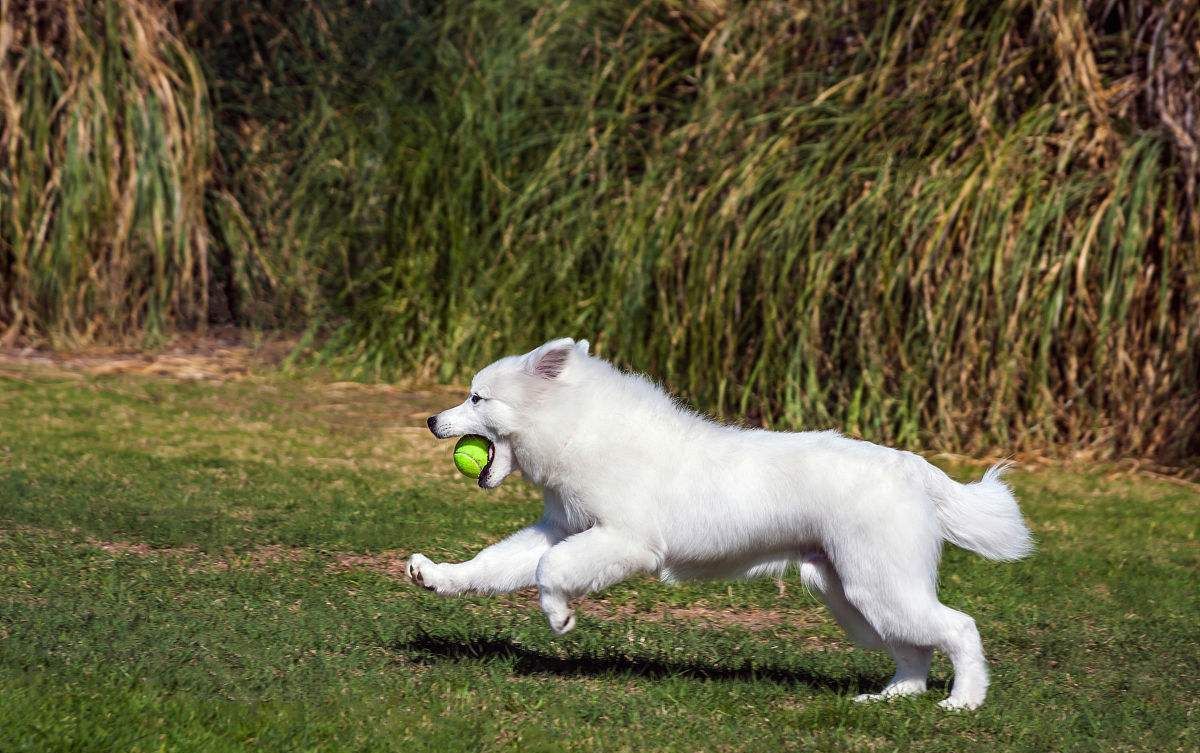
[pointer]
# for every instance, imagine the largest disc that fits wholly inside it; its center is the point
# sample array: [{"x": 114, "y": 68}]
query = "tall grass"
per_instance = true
[
  {"x": 105, "y": 150},
  {"x": 964, "y": 224},
  {"x": 938, "y": 223}
]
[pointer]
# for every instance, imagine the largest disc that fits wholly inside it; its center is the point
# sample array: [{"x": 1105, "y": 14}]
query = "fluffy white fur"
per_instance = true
[{"x": 634, "y": 483}]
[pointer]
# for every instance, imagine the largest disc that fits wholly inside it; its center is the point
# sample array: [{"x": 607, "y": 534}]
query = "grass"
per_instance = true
[
  {"x": 105, "y": 153},
  {"x": 963, "y": 224},
  {"x": 193, "y": 566},
  {"x": 815, "y": 204}
]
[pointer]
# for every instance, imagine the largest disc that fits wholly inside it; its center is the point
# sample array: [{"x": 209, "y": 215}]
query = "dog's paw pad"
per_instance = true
[{"x": 415, "y": 564}]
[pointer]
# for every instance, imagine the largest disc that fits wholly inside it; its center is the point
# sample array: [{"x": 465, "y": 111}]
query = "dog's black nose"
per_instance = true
[{"x": 432, "y": 424}]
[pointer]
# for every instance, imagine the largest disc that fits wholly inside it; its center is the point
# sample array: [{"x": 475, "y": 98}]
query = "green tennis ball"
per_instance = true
[{"x": 471, "y": 455}]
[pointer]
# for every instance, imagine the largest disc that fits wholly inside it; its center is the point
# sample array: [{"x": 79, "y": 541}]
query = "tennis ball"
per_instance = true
[{"x": 471, "y": 455}]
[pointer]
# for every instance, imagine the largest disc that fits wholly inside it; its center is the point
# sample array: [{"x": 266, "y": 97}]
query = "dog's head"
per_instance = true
[{"x": 502, "y": 397}]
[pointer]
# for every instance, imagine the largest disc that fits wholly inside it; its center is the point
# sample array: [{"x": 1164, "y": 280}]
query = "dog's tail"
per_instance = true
[{"x": 982, "y": 516}]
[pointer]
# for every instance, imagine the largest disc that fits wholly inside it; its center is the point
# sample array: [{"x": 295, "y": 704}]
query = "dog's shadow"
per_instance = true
[{"x": 432, "y": 649}]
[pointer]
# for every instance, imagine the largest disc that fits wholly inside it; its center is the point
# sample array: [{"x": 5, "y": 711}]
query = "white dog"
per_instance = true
[{"x": 634, "y": 483}]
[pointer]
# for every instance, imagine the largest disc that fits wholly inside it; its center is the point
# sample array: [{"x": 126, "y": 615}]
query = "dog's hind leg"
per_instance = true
[
  {"x": 912, "y": 662},
  {"x": 587, "y": 562},
  {"x": 912, "y": 672},
  {"x": 958, "y": 638},
  {"x": 817, "y": 573},
  {"x": 899, "y": 600},
  {"x": 948, "y": 630}
]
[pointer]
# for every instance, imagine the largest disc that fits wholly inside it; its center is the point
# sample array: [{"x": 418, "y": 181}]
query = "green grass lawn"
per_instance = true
[{"x": 211, "y": 567}]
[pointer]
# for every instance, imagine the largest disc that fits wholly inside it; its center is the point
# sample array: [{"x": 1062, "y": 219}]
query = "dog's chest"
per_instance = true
[{"x": 570, "y": 510}]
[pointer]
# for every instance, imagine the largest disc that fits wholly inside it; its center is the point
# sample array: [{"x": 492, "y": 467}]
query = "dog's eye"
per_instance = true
[{"x": 475, "y": 398}]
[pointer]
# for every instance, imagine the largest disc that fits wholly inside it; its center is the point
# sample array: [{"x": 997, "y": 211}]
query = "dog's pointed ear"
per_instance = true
[
  {"x": 549, "y": 361},
  {"x": 582, "y": 347}
]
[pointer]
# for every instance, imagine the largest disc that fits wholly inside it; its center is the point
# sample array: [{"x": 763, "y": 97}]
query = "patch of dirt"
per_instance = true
[
  {"x": 750, "y": 619},
  {"x": 257, "y": 558},
  {"x": 391, "y": 563},
  {"x": 261, "y": 556},
  {"x": 223, "y": 355},
  {"x": 718, "y": 617},
  {"x": 138, "y": 549}
]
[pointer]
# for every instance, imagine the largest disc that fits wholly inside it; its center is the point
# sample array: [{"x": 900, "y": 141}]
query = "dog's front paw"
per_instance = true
[
  {"x": 563, "y": 624},
  {"x": 560, "y": 616},
  {"x": 418, "y": 566},
  {"x": 427, "y": 574}
]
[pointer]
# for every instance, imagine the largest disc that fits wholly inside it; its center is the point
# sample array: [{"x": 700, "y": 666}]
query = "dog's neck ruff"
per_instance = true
[{"x": 545, "y": 458}]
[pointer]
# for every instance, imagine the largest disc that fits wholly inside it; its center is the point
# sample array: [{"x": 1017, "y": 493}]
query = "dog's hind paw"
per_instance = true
[
  {"x": 959, "y": 704},
  {"x": 895, "y": 689},
  {"x": 868, "y": 697}
]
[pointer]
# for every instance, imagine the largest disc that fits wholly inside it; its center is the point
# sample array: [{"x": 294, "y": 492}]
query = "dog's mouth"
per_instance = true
[
  {"x": 501, "y": 462},
  {"x": 485, "y": 474}
]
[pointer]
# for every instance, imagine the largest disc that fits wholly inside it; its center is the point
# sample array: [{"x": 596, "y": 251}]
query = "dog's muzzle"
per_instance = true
[{"x": 432, "y": 423}]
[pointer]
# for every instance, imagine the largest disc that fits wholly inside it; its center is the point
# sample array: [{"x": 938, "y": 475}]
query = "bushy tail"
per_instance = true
[{"x": 982, "y": 516}]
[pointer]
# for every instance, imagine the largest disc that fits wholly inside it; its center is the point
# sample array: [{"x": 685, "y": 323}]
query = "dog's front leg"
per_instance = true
[
  {"x": 507, "y": 565},
  {"x": 586, "y": 562}
]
